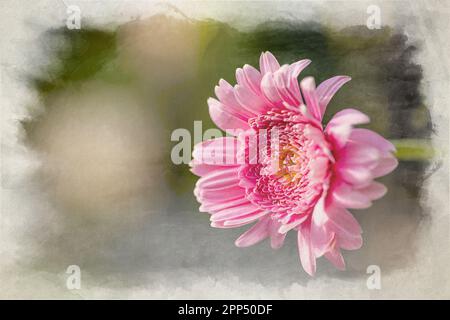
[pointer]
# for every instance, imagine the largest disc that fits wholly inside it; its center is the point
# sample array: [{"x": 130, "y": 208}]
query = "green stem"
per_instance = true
[{"x": 415, "y": 149}]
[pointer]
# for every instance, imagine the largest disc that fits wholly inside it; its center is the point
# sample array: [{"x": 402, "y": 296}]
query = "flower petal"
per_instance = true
[
  {"x": 327, "y": 89},
  {"x": 269, "y": 88},
  {"x": 235, "y": 212},
  {"x": 268, "y": 63},
  {"x": 218, "y": 196},
  {"x": 341, "y": 125},
  {"x": 343, "y": 221},
  {"x": 348, "y": 117},
  {"x": 246, "y": 218},
  {"x": 221, "y": 225},
  {"x": 358, "y": 154},
  {"x": 338, "y": 135},
  {"x": 294, "y": 72},
  {"x": 366, "y": 136},
  {"x": 356, "y": 175},
  {"x": 200, "y": 169},
  {"x": 250, "y": 100},
  {"x": 321, "y": 237},
  {"x": 346, "y": 196},
  {"x": 282, "y": 85},
  {"x": 224, "y": 119},
  {"x": 374, "y": 191},
  {"x": 306, "y": 250},
  {"x": 276, "y": 238},
  {"x": 219, "y": 151},
  {"x": 385, "y": 166},
  {"x": 335, "y": 257},
  {"x": 226, "y": 94},
  {"x": 215, "y": 207},
  {"x": 348, "y": 242},
  {"x": 255, "y": 234},
  {"x": 308, "y": 88},
  {"x": 286, "y": 83},
  {"x": 249, "y": 77}
]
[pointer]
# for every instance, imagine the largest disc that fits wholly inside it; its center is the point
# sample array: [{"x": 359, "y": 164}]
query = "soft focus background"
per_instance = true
[{"x": 86, "y": 122}]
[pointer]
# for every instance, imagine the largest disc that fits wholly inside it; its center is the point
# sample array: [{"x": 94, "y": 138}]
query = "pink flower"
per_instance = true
[{"x": 317, "y": 175}]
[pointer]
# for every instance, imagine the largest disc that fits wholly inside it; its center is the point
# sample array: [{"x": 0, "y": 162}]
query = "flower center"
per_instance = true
[
  {"x": 290, "y": 189},
  {"x": 290, "y": 165}
]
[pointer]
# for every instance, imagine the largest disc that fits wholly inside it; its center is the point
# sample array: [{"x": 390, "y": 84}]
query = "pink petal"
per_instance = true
[
  {"x": 234, "y": 212},
  {"x": 225, "y": 92},
  {"x": 348, "y": 242},
  {"x": 348, "y": 117},
  {"x": 203, "y": 169},
  {"x": 340, "y": 126},
  {"x": 344, "y": 222},
  {"x": 316, "y": 135},
  {"x": 219, "y": 179},
  {"x": 217, "y": 196},
  {"x": 321, "y": 236},
  {"x": 327, "y": 89},
  {"x": 284, "y": 228},
  {"x": 374, "y": 191},
  {"x": 276, "y": 239},
  {"x": 366, "y": 136},
  {"x": 219, "y": 151},
  {"x": 250, "y": 101},
  {"x": 224, "y": 119},
  {"x": 335, "y": 257},
  {"x": 319, "y": 169},
  {"x": 247, "y": 178},
  {"x": 245, "y": 219},
  {"x": 338, "y": 135},
  {"x": 215, "y": 207},
  {"x": 268, "y": 87},
  {"x": 282, "y": 85},
  {"x": 347, "y": 197},
  {"x": 293, "y": 73},
  {"x": 221, "y": 225},
  {"x": 358, "y": 154},
  {"x": 250, "y": 78},
  {"x": 268, "y": 63},
  {"x": 255, "y": 234},
  {"x": 208, "y": 203},
  {"x": 308, "y": 88},
  {"x": 385, "y": 166},
  {"x": 306, "y": 250},
  {"x": 356, "y": 175}
]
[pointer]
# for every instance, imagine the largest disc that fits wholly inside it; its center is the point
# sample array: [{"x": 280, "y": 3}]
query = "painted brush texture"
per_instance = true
[
  {"x": 161, "y": 247},
  {"x": 172, "y": 90}
]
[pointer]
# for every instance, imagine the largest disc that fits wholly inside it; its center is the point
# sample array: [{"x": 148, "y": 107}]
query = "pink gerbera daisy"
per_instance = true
[{"x": 317, "y": 173}]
